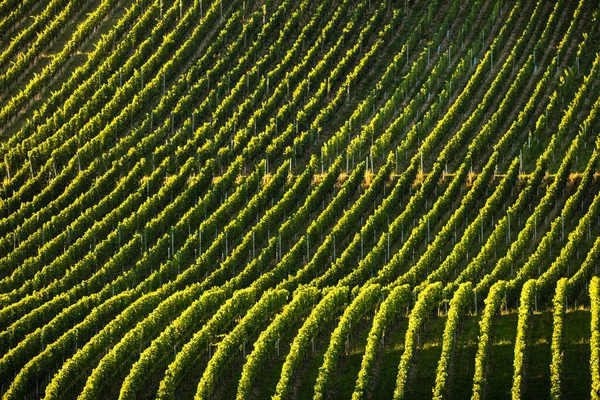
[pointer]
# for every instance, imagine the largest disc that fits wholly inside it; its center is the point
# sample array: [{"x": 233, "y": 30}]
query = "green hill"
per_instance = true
[{"x": 297, "y": 199}]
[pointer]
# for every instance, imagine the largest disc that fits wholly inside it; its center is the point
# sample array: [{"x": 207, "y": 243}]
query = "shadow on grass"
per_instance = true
[
  {"x": 460, "y": 380},
  {"x": 576, "y": 380},
  {"x": 500, "y": 362}
]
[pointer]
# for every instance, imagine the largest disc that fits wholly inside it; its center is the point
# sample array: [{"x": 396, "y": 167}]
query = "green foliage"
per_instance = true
[
  {"x": 525, "y": 305},
  {"x": 190, "y": 186},
  {"x": 595, "y": 339},
  {"x": 420, "y": 312}
]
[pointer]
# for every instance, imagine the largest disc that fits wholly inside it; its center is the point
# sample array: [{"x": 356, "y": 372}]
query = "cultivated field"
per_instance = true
[{"x": 299, "y": 199}]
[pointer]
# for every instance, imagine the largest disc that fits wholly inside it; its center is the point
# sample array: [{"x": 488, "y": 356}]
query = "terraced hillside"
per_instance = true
[{"x": 299, "y": 199}]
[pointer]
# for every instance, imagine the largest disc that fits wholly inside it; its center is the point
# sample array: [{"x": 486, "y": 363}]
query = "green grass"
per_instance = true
[
  {"x": 500, "y": 362},
  {"x": 303, "y": 388},
  {"x": 345, "y": 379},
  {"x": 266, "y": 384},
  {"x": 387, "y": 371},
  {"x": 536, "y": 377},
  {"x": 536, "y": 383},
  {"x": 576, "y": 380},
  {"x": 460, "y": 382},
  {"x": 423, "y": 368}
]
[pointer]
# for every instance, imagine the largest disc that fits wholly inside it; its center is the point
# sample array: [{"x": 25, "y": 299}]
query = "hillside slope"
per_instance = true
[{"x": 299, "y": 199}]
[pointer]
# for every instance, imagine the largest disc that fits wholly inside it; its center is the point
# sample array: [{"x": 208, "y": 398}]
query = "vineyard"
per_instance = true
[{"x": 298, "y": 199}]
